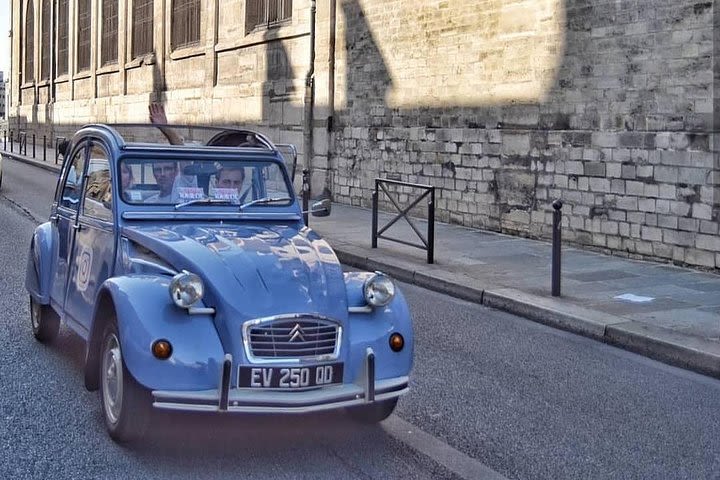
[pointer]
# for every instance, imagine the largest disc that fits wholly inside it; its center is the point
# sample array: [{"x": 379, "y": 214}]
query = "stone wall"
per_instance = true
[{"x": 608, "y": 105}]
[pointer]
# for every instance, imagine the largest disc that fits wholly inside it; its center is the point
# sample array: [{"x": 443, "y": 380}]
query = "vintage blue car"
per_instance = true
[{"x": 191, "y": 275}]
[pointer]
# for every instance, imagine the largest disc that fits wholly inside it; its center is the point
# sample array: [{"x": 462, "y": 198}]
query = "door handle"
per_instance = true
[
  {"x": 77, "y": 227},
  {"x": 54, "y": 218}
]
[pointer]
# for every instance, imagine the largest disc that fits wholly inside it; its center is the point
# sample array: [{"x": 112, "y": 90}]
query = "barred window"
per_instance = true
[
  {"x": 29, "y": 73},
  {"x": 142, "y": 36},
  {"x": 109, "y": 51},
  {"x": 266, "y": 13},
  {"x": 185, "y": 23},
  {"x": 83, "y": 35},
  {"x": 62, "y": 37},
  {"x": 45, "y": 61}
]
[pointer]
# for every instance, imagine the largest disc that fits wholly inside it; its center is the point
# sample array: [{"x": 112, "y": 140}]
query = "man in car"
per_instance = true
[
  {"x": 165, "y": 174},
  {"x": 229, "y": 181}
]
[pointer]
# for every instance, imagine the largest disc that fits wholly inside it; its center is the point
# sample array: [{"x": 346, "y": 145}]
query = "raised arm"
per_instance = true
[{"x": 158, "y": 117}]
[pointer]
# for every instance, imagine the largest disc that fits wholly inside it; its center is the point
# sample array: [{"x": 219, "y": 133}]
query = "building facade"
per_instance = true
[{"x": 502, "y": 105}]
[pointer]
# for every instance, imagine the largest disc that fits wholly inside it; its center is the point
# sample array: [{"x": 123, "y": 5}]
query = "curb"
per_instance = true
[
  {"x": 36, "y": 163},
  {"x": 673, "y": 348}
]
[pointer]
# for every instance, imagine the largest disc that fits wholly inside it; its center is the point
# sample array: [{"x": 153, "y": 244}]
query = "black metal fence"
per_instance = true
[{"x": 428, "y": 243}]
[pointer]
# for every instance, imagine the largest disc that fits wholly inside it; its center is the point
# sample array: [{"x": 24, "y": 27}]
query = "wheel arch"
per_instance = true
[{"x": 104, "y": 313}]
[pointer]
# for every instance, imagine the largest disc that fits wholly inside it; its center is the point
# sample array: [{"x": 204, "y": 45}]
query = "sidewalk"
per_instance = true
[{"x": 668, "y": 313}]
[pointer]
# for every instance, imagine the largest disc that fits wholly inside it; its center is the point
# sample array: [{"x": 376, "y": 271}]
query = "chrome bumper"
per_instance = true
[{"x": 252, "y": 400}]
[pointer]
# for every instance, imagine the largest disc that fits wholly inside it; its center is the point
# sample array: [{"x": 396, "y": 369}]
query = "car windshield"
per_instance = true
[{"x": 183, "y": 184}]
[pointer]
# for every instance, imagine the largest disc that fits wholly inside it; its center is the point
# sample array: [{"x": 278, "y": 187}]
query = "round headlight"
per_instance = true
[
  {"x": 379, "y": 290},
  {"x": 186, "y": 289}
]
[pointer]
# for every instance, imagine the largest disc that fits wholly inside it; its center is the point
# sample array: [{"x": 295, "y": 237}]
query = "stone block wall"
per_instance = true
[{"x": 617, "y": 119}]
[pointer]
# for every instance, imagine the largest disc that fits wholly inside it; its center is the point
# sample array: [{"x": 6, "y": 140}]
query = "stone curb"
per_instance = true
[
  {"x": 685, "y": 351},
  {"x": 37, "y": 163}
]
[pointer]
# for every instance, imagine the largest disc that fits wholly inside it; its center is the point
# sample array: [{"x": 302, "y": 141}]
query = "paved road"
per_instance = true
[{"x": 490, "y": 391}]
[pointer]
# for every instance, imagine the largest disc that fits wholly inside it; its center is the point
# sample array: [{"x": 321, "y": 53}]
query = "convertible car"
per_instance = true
[{"x": 189, "y": 272}]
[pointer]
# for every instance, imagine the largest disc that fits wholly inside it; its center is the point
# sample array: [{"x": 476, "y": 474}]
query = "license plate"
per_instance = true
[{"x": 291, "y": 377}]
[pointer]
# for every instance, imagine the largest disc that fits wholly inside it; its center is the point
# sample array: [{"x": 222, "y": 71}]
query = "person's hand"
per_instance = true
[{"x": 157, "y": 114}]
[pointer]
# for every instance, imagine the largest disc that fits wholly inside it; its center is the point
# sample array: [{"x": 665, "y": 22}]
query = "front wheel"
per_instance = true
[
  {"x": 374, "y": 412},
  {"x": 44, "y": 321},
  {"x": 125, "y": 403}
]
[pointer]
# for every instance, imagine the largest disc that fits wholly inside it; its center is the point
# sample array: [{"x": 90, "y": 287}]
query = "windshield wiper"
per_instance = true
[
  {"x": 265, "y": 200},
  {"x": 198, "y": 201}
]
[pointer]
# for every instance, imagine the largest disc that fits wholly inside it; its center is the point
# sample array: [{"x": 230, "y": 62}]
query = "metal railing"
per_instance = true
[{"x": 427, "y": 243}]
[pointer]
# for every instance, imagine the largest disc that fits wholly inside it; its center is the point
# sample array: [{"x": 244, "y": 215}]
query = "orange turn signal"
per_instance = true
[
  {"x": 397, "y": 342},
  {"x": 162, "y": 349}
]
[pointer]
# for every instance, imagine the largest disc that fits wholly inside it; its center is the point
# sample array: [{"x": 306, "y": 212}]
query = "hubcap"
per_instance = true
[
  {"x": 112, "y": 379},
  {"x": 35, "y": 315}
]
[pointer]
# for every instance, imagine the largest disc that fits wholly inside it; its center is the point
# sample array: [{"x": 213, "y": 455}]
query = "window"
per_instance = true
[
  {"x": 83, "y": 35},
  {"x": 109, "y": 52},
  {"x": 62, "y": 37},
  {"x": 185, "y": 23},
  {"x": 98, "y": 186},
  {"x": 73, "y": 181},
  {"x": 142, "y": 34},
  {"x": 45, "y": 61},
  {"x": 267, "y": 13},
  {"x": 29, "y": 73}
]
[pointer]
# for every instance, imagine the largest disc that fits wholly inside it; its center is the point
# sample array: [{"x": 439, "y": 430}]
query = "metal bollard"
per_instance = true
[
  {"x": 305, "y": 196},
  {"x": 44, "y": 148},
  {"x": 5, "y": 140},
  {"x": 431, "y": 228},
  {"x": 556, "y": 251},
  {"x": 374, "y": 216},
  {"x": 33, "y": 145}
]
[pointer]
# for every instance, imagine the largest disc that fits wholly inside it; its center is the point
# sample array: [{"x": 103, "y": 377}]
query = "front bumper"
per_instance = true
[{"x": 252, "y": 400}]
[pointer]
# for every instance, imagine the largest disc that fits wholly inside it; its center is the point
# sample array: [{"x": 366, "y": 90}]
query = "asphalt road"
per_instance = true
[{"x": 490, "y": 392}]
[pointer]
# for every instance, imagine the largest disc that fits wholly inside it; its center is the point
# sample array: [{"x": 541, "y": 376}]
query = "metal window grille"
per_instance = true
[
  {"x": 109, "y": 52},
  {"x": 267, "y": 13},
  {"x": 29, "y": 73},
  {"x": 83, "y": 37},
  {"x": 142, "y": 39},
  {"x": 185, "y": 23},
  {"x": 45, "y": 61},
  {"x": 62, "y": 39}
]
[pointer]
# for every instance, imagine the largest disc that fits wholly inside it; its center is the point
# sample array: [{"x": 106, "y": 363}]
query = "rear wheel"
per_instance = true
[
  {"x": 374, "y": 412},
  {"x": 45, "y": 322},
  {"x": 125, "y": 403}
]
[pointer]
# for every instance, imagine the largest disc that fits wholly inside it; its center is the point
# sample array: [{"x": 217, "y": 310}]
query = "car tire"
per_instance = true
[
  {"x": 373, "y": 413},
  {"x": 44, "y": 321},
  {"x": 125, "y": 403}
]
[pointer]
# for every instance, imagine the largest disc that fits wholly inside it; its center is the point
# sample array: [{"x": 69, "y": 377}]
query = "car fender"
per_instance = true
[
  {"x": 38, "y": 273},
  {"x": 144, "y": 313},
  {"x": 372, "y": 329}
]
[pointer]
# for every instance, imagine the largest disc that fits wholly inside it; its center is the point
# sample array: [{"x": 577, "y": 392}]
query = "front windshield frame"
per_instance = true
[{"x": 199, "y": 178}]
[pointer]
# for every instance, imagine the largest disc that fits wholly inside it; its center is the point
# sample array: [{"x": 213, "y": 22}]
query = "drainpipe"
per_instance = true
[
  {"x": 310, "y": 94},
  {"x": 331, "y": 95}
]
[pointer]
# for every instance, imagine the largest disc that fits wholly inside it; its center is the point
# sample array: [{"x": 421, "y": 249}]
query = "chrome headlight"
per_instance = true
[
  {"x": 186, "y": 289},
  {"x": 379, "y": 290}
]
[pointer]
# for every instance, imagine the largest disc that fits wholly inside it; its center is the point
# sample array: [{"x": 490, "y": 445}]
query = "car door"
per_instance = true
[
  {"x": 63, "y": 220},
  {"x": 92, "y": 254}
]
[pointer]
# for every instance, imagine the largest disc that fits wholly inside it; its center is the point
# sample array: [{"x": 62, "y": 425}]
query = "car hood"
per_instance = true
[{"x": 253, "y": 270}]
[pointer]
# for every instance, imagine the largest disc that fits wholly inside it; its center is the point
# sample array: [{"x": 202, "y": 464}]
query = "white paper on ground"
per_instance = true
[{"x": 634, "y": 298}]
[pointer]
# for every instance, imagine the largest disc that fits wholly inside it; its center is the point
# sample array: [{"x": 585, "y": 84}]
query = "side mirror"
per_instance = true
[{"x": 321, "y": 208}]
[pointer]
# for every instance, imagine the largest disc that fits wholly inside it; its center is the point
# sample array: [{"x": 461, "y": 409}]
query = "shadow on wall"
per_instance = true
[{"x": 544, "y": 102}]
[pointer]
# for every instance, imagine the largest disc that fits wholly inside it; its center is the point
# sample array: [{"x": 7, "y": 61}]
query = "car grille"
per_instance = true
[{"x": 293, "y": 338}]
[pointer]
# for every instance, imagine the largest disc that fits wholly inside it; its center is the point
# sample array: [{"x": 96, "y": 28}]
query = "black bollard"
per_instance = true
[
  {"x": 44, "y": 148},
  {"x": 306, "y": 196},
  {"x": 33, "y": 145},
  {"x": 556, "y": 251},
  {"x": 11, "y": 141},
  {"x": 431, "y": 228},
  {"x": 374, "y": 215}
]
